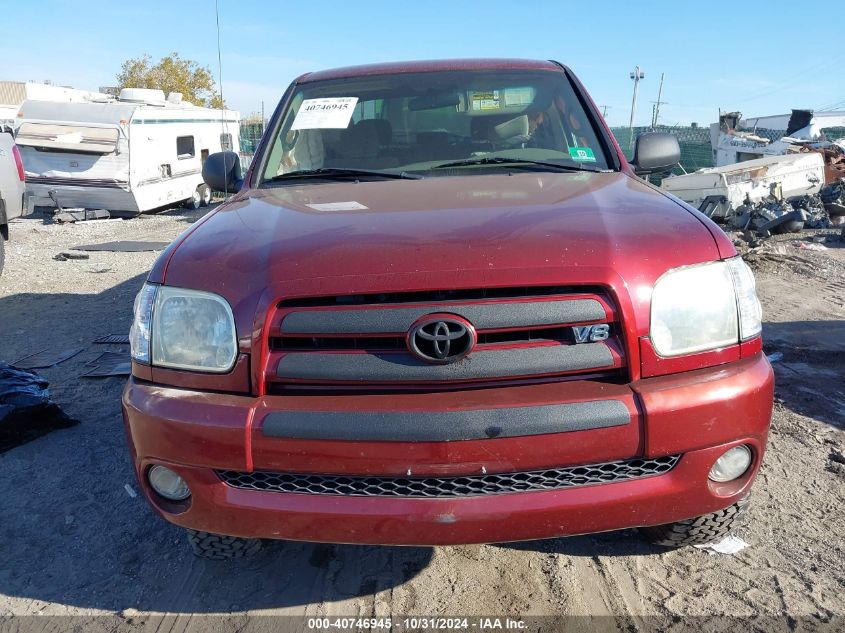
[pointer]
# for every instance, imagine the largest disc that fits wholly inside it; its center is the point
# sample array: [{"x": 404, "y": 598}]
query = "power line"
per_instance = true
[
  {"x": 785, "y": 82},
  {"x": 830, "y": 106}
]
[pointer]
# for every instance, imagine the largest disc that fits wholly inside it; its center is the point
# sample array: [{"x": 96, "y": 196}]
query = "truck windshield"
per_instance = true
[{"x": 435, "y": 124}]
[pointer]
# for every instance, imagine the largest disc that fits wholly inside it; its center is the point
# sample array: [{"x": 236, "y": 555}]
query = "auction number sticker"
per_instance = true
[{"x": 327, "y": 113}]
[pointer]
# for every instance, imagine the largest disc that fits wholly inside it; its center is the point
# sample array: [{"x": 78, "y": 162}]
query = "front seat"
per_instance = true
[{"x": 362, "y": 143}]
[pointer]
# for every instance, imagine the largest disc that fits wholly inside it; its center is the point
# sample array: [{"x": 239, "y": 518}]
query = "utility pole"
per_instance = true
[
  {"x": 636, "y": 75},
  {"x": 604, "y": 110},
  {"x": 658, "y": 103}
]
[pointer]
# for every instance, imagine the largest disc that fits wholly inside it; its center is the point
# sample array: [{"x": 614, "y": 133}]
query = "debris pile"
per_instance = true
[
  {"x": 833, "y": 153},
  {"x": 776, "y": 194},
  {"x": 769, "y": 215},
  {"x": 802, "y": 254},
  {"x": 832, "y": 196},
  {"x": 774, "y": 214},
  {"x": 813, "y": 211}
]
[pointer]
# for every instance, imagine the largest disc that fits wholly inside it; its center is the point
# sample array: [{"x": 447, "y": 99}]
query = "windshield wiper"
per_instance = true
[
  {"x": 341, "y": 173},
  {"x": 502, "y": 160}
]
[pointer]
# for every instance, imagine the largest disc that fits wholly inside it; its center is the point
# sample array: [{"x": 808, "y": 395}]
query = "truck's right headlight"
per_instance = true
[
  {"x": 183, "y": 329},
  {"x": 703, "y": 307}
]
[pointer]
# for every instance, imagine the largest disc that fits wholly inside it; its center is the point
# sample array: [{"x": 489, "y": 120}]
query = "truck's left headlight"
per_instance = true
[
  {"x": 704, "y": 307},
  {"x": 183, "y": 329}
]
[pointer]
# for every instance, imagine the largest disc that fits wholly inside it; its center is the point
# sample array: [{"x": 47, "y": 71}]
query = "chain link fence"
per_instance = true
[
  {"x": 696, "y": 152},
  {"x": 251, "y": 132}
]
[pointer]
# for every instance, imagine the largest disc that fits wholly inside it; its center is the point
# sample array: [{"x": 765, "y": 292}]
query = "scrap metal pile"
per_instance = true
[
  {"x": 776, "y": 194},
  {"x": 779, "y": 215}
]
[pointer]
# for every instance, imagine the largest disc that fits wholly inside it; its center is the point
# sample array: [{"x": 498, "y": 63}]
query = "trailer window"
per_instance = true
[
  {"x": 185, "y": 147},
  {"x": 226, "y": 141},
  {"x": 78, "y": 139}
]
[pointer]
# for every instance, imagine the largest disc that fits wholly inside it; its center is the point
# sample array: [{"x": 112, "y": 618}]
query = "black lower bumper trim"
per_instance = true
[{"x": 446, "y": 426}]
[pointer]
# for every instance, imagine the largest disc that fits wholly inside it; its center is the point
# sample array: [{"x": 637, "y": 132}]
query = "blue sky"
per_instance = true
[{"x": 749, "y": 56}]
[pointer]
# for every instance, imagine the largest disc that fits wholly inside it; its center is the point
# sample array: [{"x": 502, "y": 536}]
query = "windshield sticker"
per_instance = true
[
  {"x": 582, "y": 154},
  {"x": 329, "y": 113},
  {"x": 338, "y": 206},
  {"x": 487, "y": 100},
  {"x": 519, "y": 96}
]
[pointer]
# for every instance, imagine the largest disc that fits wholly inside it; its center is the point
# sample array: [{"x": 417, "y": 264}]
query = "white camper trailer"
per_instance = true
[
  {"x": 127, "y": 155},
  {"x": 750, "y": 181}
]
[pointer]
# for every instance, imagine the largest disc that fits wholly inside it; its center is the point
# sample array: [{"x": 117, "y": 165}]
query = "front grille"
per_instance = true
[
  {"x": 465, "y": 486},
  {"x": 523, "y": 334}
]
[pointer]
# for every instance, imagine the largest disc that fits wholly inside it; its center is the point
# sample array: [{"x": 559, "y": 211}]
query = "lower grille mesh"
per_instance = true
[{"x": 466, "y": 486}]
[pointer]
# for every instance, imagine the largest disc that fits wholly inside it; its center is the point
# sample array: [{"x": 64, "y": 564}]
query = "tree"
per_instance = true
[{"x": 172, "y": 74}]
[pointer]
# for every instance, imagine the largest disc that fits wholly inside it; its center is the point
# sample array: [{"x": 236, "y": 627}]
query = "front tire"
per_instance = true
[
  {"x": 219, "y": 547},
  {"x": 699, "y": 530}
]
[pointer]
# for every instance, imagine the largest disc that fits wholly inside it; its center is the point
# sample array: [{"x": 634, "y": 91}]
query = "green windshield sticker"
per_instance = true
[{"x": 582, "y": 154}]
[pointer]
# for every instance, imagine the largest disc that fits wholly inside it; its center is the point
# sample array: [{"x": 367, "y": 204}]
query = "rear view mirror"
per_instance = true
[
  {"x": 222, "y": 172},
  {"x": 433, "y": 101},
  {"x": 654, "y": 152}
]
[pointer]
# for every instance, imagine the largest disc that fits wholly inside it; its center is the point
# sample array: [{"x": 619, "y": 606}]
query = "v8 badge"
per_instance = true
[{"x": 591, "y": 333}]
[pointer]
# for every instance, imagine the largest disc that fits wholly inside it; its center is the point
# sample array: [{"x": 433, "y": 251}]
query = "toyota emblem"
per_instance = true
[{"x": 441, "y": 338}]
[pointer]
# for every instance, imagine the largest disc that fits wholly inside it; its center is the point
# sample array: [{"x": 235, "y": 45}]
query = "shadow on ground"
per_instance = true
[
  {"x": 618, "y": 543},
  {"x": 810, "y": 374}
]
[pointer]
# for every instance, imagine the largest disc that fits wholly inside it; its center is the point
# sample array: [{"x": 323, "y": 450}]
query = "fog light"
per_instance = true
[
  {"x": 732, "y": 464},
  {"x": 168, "y": 484}
]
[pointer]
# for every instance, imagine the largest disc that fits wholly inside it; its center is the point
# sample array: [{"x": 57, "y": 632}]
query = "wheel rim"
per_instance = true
[{"x": 206, "y": 195}]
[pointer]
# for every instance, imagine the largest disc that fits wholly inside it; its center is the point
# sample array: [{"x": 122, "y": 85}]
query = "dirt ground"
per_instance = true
[{"x": 74, "y": 542}]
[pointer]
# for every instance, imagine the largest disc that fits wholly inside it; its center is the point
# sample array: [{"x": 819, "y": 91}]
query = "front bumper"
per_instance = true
[{"x": 699, "y": 414}]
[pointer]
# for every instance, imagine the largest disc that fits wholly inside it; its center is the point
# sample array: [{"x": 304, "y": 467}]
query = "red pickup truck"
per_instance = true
[{"x": 440, "y": 308}]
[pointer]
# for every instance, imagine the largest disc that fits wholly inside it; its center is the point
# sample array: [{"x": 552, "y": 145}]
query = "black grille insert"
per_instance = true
[
  {"x": 436, "y": 296},
  {"x": 550, "y": 334},
  {"x": 465, "y": 486}
]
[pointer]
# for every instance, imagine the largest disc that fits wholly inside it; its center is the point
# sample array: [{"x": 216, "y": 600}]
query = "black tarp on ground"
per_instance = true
[{"x": 26, "y": 411}]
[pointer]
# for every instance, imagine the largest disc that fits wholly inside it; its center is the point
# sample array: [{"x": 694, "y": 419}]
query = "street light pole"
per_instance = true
[{"x": 636, "y": 75}]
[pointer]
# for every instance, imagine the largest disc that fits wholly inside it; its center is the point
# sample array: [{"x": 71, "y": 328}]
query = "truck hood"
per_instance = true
[{"x": 438, "y": 233}]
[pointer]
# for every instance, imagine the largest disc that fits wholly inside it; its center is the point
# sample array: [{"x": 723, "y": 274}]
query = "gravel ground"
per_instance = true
[{"x": 74, "y": 542}]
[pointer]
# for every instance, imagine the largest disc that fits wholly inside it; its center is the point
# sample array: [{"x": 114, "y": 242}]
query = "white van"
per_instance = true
[{"x": 128, "y": 155}]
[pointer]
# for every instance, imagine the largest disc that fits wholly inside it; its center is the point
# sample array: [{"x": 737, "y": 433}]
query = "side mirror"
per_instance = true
[
  {"x": 222, "y": 172},
  {"x": 654, "y": 152}
]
